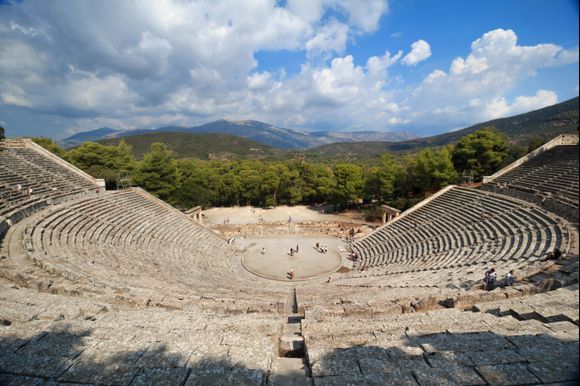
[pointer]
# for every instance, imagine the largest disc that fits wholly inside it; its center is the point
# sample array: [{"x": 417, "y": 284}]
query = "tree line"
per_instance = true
[{"x": 398, "y": 180}]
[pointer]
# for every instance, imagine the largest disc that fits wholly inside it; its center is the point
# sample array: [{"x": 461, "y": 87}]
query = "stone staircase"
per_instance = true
[{"x": 291, "y": 366}]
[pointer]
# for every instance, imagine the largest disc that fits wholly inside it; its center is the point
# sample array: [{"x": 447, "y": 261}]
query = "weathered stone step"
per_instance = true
[{"x": 289, "y": 372}]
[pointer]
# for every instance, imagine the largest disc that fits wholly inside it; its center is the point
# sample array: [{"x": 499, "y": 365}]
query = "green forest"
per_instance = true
[{"x": 399, "y": 180}]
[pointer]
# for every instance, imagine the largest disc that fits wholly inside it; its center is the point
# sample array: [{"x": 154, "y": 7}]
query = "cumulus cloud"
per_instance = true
[
  {"x": 151, "y": 58},
  {"x": 420, "y": 51},
  {"x": 122, "y": 64},
  {"x": 331, "y": 38},
  {"x": 475, "y": 88}
]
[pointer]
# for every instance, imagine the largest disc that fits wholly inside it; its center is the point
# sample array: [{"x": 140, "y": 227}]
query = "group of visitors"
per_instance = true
[
  {"x": 18, "y": 190},
  {"x": 293, "y": 251},
  {"x": 491, "y": 275},
  {"x": 554, "y": 255},
  {"x": 321, "y": 248},
  {"x": 490, "y": 278},
  {"x": 227, "y": 220}
]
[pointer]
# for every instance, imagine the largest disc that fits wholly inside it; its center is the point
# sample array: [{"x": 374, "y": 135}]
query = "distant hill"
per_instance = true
[
  {"x": 254, "y": 130},
  {"x": 93, "y": 135},
  {"x": 544, "y": 123},
  {"x": 201, "y": 146}
]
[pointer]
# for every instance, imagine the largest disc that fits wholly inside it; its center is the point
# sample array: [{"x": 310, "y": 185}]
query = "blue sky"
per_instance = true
[{"x": 421, "y": 66}]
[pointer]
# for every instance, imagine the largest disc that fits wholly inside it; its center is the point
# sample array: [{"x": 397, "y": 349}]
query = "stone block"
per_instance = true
[
  {"x": 35, "y": 365},
  {"x": 20, "y": 380},
  {"x": 434, "y": 377},
  {"x": 507, "y": 374},
  {"x": 447, "y": 358},
  {"x": 495, "y": 357},
  {"x": 337, "y": 363},
  {"x": 465, "y": 375},
  {"x": 430, "y": 303},
  {"x": 221, "y": 376},
  {"x": 552, "y": 371},
  {"x": 160, "y": 376}
]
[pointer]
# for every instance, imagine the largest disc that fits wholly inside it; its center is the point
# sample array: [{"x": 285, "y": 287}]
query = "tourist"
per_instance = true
[
  {"x": 296, "y": 248},
  {"x": 291, "y": 273},
  {"x": 557, "y": 253},
  {"x": 289, "y": 219},
  {"x": 291, "y": 251},
  {"x": 29, "y": 192},
  {"x": 263, "y": 250},
  {"x": 18, "y": 188},
  {"x": 317, "y": 247},
  {"x": 509, "y": 279},
  {"x": 550, "y": 255},
  {"x": 489, "y": 279},
  {"x": 328, "y": 281}
]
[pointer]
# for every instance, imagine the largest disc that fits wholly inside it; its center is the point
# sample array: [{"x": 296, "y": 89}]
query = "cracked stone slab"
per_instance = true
[
  {"x": 161, "y": 358},
  {"x": 20, "y": 380},
  {"x": 553, "y": 371},
  {"x": 156, "y": 376},
  {"x": 108, "y": 373},
  {"x": 379, "y": 379},
  {"x": 446, "y": 358},
  {"x": 35, "y": 365},
  {"x": 434, "y": 377},
  {"x": 220, "y": 376},
  {"x": 59, "y": 345},
  {"x": 464, "y": 374},
  {"x": 507, "y": 374},
  {"x": 495, "y": 357},
  {"x": 336, "y": 365}
]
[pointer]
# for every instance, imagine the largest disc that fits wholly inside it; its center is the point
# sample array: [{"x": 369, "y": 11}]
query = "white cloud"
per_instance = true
[
  {"x": 542, "y": 98},
  {"x": 499, "y": 107},
  {"x": 420, "y": 51},
  {"x": 476, "y": 88},
  {"x": 330, "y": 38},
  {"x": 364, "y": 14},
  {"x": 151, "y": 63}
]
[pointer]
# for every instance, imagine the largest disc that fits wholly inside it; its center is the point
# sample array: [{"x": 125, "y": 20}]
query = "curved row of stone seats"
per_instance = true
[
  {"x": 553, "y": 172},
  {"x": 49, "y": 180},
  {"x": 446, "y": 346},
  {"x": 51, "y": 339},
  {"x": 560, "y": 305},
  {"x": 547, "y": 177},
  {"x": 129, "y": 241},
  {"x": 459, "y": 228}
]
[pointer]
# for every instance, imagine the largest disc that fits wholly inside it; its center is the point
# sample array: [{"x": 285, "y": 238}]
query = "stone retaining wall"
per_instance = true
[{"x": 308, "y": 228}]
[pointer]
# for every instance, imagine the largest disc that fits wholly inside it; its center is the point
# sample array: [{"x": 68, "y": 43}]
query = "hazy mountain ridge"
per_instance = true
[
  {"x": 253, "y": 130},
  {"x": 545, "y": 123},
  {"x": 201, "y": 146}
]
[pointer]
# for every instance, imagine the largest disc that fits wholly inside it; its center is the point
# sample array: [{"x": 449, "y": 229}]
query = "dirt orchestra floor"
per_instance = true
[{"x": 276, "y": 262}]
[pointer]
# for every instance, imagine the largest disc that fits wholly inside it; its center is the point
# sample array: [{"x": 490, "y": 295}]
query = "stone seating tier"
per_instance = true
[
  {"x": 49, "y": 180},
  {"x": 123, "y": 241},
  {"x": 552, "y": 173},
  {"x": 461, "y": 229}
]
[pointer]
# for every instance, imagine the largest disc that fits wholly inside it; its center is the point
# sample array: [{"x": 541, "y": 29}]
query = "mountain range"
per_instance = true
[
  {"x": 254, "y": 130},
  {"x": 267, "y": 141},
  {"x": 545, "y": 124},
  {"x": 212, "y": 146}
]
